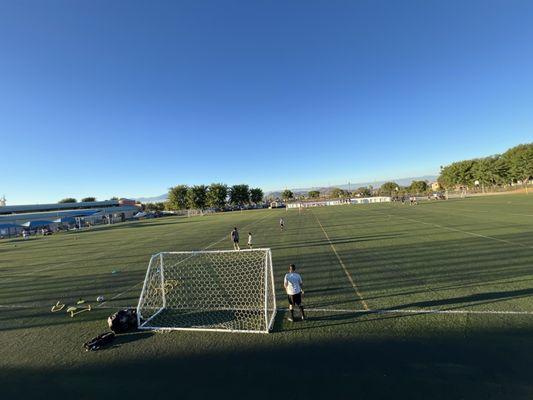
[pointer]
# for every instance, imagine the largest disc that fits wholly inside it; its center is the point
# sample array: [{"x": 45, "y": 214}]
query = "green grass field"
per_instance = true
[{"x": 426, "y": 302}]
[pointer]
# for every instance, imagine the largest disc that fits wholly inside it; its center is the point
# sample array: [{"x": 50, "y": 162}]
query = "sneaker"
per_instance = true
[
  {"x": 290, "y": 319},
  {"x": 303, "y": 318}
]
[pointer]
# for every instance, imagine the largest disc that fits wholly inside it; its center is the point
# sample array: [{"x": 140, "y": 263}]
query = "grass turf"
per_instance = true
[{"x": 472, "y": 255}]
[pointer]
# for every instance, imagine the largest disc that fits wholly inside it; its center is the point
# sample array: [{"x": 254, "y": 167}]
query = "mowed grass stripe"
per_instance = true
[
  {"x": 383, "y": 234},
  {"x": 348, "y": 275},
  {"x": 459, "y": 230},
  {"x": 125, "y": 248},
  {"x": 375, "y": 272}
]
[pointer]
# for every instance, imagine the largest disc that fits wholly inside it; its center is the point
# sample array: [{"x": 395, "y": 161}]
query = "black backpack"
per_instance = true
[
  {"x": 99, "y": 341},
  {"x": 123, "y": 321}
]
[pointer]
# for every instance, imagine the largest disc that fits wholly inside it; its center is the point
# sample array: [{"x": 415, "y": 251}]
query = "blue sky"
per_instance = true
[{"x": 128, "y": 98}]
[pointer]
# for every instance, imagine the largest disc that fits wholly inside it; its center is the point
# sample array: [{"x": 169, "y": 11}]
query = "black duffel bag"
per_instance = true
[{"x": 123, "y": 321}]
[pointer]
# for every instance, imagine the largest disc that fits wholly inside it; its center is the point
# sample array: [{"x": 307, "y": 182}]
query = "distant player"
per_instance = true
[
  {"x": 235, "y": 238},
  {"x": 250, "y": 240},
  {"x": 293, "y": 286},
  {"x": 281, "y": 224}
]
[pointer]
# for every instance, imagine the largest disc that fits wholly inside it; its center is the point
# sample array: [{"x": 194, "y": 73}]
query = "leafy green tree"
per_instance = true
[
  {"x": 464, "y": 172},
  {"x": 177, "y": 197},
  {"x": 217, "y": 195},
  {"x": 363, "y": 192},
  {"x": 337, "y": 193},
  {"x": 389, "y": 188},
  {"x": 85, "y": 199},
  {"x": 459, "y": 173},
  {"x": 313, "y": 194},
  {"x": 447, "y": 177},
  {"x": 159, "y": 206},
  {"x": 197, "y": 197},
  {"x": 418, "y": 187},
  {"x": 488, "y": 171},
  {"x": 501, "y": 170},
  {"x": 256, "y": 195},
  {"x": 287, "y": 195},
  {"x": 520, "y": 162},
  {"x": 516, "y": 164},
  {"x": 68, "y": 200},
  {"x": 239, "y": 195}
]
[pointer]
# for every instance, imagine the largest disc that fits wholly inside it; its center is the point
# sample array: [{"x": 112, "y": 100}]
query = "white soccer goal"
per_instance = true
[{"x": 224, "y": 290}]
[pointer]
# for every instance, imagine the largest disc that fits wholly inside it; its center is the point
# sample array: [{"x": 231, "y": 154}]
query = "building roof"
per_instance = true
[
  {"x": 57, "y": 206},
  {"x": 53, "y": 215},
  {"x": 5, "y": 226}
]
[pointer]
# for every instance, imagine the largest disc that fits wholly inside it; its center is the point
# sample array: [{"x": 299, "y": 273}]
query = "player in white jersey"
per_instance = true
[
  {"x": 250, "y": 240},
  {"x": 293, "y": 286}
]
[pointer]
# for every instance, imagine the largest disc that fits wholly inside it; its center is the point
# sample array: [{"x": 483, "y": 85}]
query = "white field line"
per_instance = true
[
  {"x": 461, "y": 231},
  {"x": 18, "y": 275},
  {"x": 470, "y": 211},
  {"x": 205, "y": 248},
  {"x": 522, "y": 215},
  {"x": 420, "y": 311},
  {"x": 484, "y": 211},
  {"x": 348, "y": 275},
  {"x": 335, "y": 310}
]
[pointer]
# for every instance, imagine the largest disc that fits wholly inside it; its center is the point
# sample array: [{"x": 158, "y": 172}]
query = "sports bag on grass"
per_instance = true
[
  {"x": 123, "y": 321},
  {"x": 99, "y": 341}
]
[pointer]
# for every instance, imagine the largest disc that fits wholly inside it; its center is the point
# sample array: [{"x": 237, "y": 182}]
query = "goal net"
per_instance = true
[{"x": 209, "y": 290}]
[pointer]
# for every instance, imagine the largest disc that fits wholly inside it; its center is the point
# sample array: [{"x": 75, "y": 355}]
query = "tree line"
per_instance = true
[
  {"x": 515, "y": 166},
  {"x": 85, "y": 199},
  {"x": 73, "y": 200},
  {"x": 387, "y": 189},
  {"x": 200, "y": 197}
]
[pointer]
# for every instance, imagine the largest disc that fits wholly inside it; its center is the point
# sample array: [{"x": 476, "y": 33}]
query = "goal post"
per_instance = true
[{"x": 225, "y": 290}]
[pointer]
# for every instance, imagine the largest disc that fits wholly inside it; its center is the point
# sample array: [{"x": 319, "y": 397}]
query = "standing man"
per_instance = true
[
  {"x": 235, "y": 238},
  {"x": 281, "y": 224},
  {"x": 293, "y": 286},
  {"x": 250, "y": 240}
]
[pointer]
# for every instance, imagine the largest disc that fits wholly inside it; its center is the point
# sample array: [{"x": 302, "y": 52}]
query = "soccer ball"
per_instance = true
[{"x": 99, "y": 299}]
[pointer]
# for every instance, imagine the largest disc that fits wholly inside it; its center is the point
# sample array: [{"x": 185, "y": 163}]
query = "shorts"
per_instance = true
[
  {"x": 295, "y": 299},
  {"x": 235, "y": 240}
]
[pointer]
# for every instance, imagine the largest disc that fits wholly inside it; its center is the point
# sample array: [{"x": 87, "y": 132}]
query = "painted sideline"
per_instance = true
[
  {"x": 348, "y": 275},
  {"x": 324, "y": 310}
]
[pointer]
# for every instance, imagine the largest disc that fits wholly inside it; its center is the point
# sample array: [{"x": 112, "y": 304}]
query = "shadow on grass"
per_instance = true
[
  {"x": 474, "y": 298},
  {"x": 129, "y": 338},
  {"x": 218, "y": 366}
]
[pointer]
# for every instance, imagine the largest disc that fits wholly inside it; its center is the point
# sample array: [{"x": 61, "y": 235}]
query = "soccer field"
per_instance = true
[{"x": 428, "y": 301}]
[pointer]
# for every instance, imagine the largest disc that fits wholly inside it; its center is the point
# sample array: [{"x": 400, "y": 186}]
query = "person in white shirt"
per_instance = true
[
  {"x": 293, "y": 286},
  {"x": 281, "y": 224},
  {"x": 250, "y": 240}
]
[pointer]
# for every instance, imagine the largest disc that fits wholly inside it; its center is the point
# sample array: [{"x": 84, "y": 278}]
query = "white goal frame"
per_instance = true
[{"x": 266, "y": 300}]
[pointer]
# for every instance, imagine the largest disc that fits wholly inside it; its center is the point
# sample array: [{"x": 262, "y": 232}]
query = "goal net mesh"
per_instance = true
[{"x": 209, "y": 290}]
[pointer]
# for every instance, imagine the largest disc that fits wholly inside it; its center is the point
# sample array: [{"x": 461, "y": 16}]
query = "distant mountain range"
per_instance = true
[
  {"x": 352, "y": 186},
  {"x": 156, "y": 199},
  {"x": 375, "y": 184}
]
